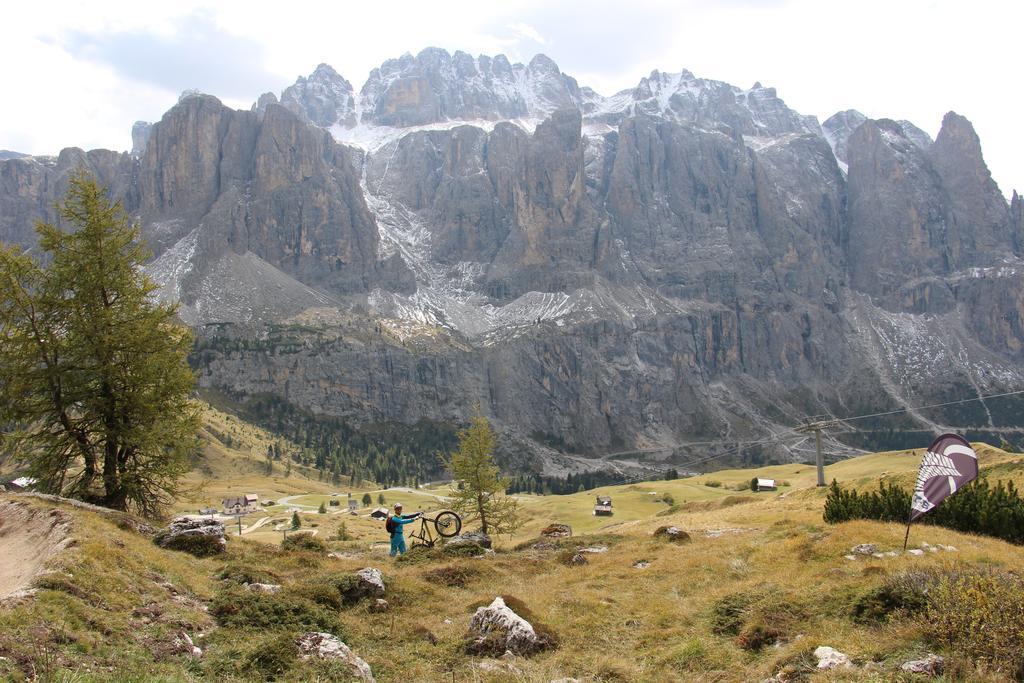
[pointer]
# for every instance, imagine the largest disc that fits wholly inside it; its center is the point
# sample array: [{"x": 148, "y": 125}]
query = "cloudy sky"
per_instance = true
[{"x": 80, "y": 74}]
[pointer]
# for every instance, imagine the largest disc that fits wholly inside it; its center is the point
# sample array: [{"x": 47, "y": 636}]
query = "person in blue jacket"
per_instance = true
[{"x": 394, "y": 526}]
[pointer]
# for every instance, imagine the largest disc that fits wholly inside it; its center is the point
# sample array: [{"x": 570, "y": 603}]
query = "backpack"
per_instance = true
[{"x": 390, "y": 525}]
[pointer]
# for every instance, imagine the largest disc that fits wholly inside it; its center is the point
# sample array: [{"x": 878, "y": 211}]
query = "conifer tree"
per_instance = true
[
  {"x": 478, "y": 490},
  {"x": 95, "y": 381}
]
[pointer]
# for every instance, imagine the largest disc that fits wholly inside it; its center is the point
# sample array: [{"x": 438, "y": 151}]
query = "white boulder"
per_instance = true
[
  {"x": 496, "y": 629},
  {"x": 371, "y": 581},
  {"x": 931, "y": 665},
  {"x": 830, "y": 658},
  {"x": 326, "y": 646},
  {"x": 268, "y": 588}
]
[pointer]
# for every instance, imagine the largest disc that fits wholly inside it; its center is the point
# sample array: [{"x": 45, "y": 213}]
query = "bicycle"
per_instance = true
[{"x": 446, "y": 524}]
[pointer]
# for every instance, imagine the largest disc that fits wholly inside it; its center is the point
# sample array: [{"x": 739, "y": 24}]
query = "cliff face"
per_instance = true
[
  {"x": 228, "y": 199},
  {"x": 681, "y": 261}
]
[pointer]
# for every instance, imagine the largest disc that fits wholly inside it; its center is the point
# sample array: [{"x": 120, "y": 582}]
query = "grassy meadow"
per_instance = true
[{"x": 761, "y": 583}]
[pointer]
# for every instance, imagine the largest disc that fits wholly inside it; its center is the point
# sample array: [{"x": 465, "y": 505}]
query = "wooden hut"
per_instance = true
[{"x": 603, "y": 506}]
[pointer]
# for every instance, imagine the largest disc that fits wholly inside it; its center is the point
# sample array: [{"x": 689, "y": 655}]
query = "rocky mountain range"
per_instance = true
[{"x": 680, "y": 263}]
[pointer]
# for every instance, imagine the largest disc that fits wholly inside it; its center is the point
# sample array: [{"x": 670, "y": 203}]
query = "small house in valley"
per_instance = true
[
  {"x": 765, "y": 484},
  {"x": 241, "y": 505},
  {"x": 603, "y": 506}
]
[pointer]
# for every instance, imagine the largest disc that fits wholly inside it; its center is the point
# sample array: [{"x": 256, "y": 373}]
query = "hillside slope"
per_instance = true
[{"x": 761, "y": 583}]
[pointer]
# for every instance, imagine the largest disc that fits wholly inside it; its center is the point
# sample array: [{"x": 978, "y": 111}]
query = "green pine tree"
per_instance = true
[
  {"x": 478, "y": 489},
  {"x": 95, "y": 378},
  {"x": 367, "y": 499},
  {"x": 296, "y": 522},
  {"x": 322, "y": 509}
]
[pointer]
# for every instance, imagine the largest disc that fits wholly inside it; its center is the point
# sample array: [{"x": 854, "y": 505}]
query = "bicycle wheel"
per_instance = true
[{"x": 448, "y": 523}]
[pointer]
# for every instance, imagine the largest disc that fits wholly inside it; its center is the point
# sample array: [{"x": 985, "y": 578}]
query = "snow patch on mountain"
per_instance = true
[
  {"x": 373, "y": 138},
  {"x": 172, "y": 266},
  {"x": 919, "y": 348}
]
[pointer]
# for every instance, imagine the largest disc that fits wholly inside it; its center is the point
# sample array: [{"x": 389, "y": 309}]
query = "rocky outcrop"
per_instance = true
[
  {"x": 324, "y": 98},
  {"x": 703, "y": 103},
  {"x": 556, "y": 531},
  {"x": 897, "y": 212},
  {"x": 30, "y": 187},
  {"x": 436, "y": 86},
  {"x": 140, "y": 137},
  {"x": 932, "y": 665},
  {"x": 976, "y": 211},
  {"x": 470, "y": 538},
  {"x": 199, "y": 536},
  {"x": 838, "y": 128},
  {"x": 672, "y": 534}
]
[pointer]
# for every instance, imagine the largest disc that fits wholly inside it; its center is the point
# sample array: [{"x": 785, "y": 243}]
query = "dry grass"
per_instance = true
[{"x": 614, "y": 622}]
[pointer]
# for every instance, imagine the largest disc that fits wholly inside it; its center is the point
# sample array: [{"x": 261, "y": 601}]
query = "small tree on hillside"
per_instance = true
[
  {"x": 478, "y": 489},
  {"x": 296, "y": 522},
  {"x": 323, "y": 509},
  {"x": 380, "y": 499},
  {"x": 367, "y": 499}
]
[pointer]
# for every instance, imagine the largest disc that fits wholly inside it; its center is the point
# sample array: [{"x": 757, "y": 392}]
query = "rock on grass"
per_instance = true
[
  {"x": 201, "y": 537},
  {"x": 672, "y": 533},
  {"x": 328, "y": 647},
  {"x": 497, "y": 628}
]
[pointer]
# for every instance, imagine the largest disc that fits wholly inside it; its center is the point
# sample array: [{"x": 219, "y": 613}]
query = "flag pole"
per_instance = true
[{"x": 910, "y": 519}]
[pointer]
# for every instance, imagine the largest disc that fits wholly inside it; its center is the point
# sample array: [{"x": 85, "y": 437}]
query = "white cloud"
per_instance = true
[
  {"x": 527, "y": 32},
  {"x": 914, "y": 59}
]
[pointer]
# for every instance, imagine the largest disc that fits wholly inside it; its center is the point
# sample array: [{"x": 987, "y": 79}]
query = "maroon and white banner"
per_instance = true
[{"x": 949, "y": 464}]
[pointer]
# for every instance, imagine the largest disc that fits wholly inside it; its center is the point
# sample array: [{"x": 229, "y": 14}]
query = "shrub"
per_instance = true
[
  {"x": 321, "y": 593},
  {"x": 343, "y": 534},
  {"x": 901, "y": 594},
  {"x": 980, "y": 614},
  {"x": 420, "y": 553},
  {"x": 463, "y": 550},
  {"x": 452, "y": 576},
  {"x": 307, "y": 542},
  {"x": 199, "y": 545},
  {"x": 350, "y": 588},
  {"x": 756, "y": 618},
  {"x": 757, "y": 634},
  {"x": 273, "y": 657},
  {"x": 242, "y": 573},
  {"x": 976, "y": 508},
  {"x": 713, "y": 484},
  {"x": 322, "y": 509},
  {"x": 668, "y": 499},
  {"x": 729, "y": 612},
  {"x": 242, "y": 608}
]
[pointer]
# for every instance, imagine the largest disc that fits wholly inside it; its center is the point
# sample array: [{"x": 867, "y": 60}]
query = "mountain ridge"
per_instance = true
[{"x": 687, "y": 261}]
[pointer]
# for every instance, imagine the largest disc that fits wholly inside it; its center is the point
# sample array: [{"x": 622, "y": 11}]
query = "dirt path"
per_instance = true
[{"x": 29, "y": 537}]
